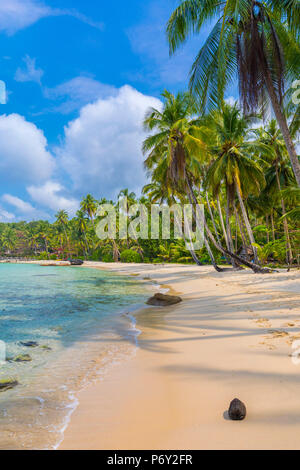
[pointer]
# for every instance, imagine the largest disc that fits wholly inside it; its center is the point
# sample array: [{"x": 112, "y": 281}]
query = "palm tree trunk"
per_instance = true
[
  {"x": 229, "y": 234},
  {"x": 68, "y": 242},
  {"x": 191, "y": 250},
  {"x": 192, "y": 198},
  {"x": 247, "y": 223},
  {"x": 273, "y": 226},
  {"x": 267, "y": 227},
  {"x": 253, "y": 266},
  {"x": 46, "y": 246},
  {"x": 282, "y": 122},
  {"x": 212, "y": 217},
  {"x": 222, "y": 221},
  {"x": 243, "y": 236},
  {"x": 289, "y": 253},
  {"x": 210, "y": 254}
]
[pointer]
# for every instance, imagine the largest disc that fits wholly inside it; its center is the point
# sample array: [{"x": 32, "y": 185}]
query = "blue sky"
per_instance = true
[{"x": 79, "y": 76}]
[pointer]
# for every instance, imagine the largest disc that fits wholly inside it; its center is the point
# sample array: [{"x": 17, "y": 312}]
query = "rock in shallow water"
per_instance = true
[
  {"x": 22, "y": 358},
  {"x": 162, "y": 300},
  {"x": 6, "y": 384},
  {"x": 29, "y": 344},
  {"x": 237, "y": 410}
]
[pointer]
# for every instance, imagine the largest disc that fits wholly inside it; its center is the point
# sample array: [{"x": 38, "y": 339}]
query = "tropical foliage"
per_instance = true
[{"x": 240, "y": 161}]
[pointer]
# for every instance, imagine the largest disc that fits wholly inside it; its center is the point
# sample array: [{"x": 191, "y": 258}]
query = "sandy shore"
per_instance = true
[{"x": 231, "y": 337}]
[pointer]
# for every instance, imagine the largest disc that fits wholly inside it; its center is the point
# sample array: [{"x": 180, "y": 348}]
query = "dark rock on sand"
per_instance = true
[
  {"x": 76, "y": 262},
  {"x": 162, "y": 300},
  {"x": 22, "y": 358},
  {"x": 7, "y": 384},
  {"x": 237, "y": 410},
  {"x": 29, "y": 344}
]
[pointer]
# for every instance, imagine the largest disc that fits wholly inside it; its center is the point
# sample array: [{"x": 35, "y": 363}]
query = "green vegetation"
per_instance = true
[{"x": 236, "y": 160}]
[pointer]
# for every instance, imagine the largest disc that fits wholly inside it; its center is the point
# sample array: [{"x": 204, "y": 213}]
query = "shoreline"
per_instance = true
[{"x": 230, "y": 337}]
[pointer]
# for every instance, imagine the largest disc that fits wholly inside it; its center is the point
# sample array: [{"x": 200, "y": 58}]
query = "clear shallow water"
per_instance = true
[{"x": 74, "y": 314}]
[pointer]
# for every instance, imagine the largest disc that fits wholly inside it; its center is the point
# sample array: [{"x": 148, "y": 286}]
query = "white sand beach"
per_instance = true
[{"x": 231, "y": 337}]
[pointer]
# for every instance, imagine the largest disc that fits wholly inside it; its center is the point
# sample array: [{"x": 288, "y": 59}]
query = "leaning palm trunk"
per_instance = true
[
  {"x": 253, "y": 266},
  {"x": 189, "y": 244},
  {"x": 215, "y": 228},
  {"x": 282, "y": 122},
  {"x": 222, "y": 221},
  {"x": 246, "y": 220},
  {"x": 192, "y": 198},
  {"x": 212, "y": 217}
]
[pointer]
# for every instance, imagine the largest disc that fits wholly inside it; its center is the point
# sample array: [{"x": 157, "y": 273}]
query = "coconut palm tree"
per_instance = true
[
  {"x": 89, "y": 206},
  {"x": 8, "y": 239},
  {"x": 172, "y": 147},
  {"x": 258, "y": 40},
  {"x": 178, "y": 142},
  {"x": 81, "y": 226},
  {"x": 278, "y": 174},
  {"x": 32, "y": 238},
  {"x": 62, "y": 220},
  {"x": 233, "y": 165}
]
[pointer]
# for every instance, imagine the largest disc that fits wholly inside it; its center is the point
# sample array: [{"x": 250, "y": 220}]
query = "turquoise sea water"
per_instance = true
[{"x": 75, "y": 316}]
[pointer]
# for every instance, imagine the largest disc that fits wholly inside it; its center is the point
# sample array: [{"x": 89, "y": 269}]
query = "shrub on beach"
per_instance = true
[
  {"x": 130, "y": 256},
  {"x": 107, "y": 258},
  {"x": 43, "y": 256}
]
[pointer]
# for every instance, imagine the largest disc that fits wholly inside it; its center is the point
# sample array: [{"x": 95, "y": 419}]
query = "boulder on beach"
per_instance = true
[
  {"x": 29, "y": 344},
  {"x": 6, "y": 384},
  {"x": 76, "y": 262},
  {"x": 163, "y": 300},
  {"x": 22, "y": 358},
  {"x": 237, "y": 410}
]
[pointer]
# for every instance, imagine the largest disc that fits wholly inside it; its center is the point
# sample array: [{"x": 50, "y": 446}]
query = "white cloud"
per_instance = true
[
  {"x": 19, "y": 14},
  {"x": 30, "y": 73},
  {"x": 24, "y": 209},
  {"x": 23, "y": 151},
  {"x": 77, "y": 92},
  {"x": 50, "y": 195},
  {"x": 102, "y": 148},
  {"x": 15, "y": 201},
  {"x": 6, "y": 216}
]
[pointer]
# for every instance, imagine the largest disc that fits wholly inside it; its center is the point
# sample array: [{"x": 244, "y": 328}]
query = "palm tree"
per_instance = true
[
  {"x": 177, "y": 144},
  {"x": 32, "y": 238},
  {"x": 62, "y": 220},
  {"x": 8, "y": 239},
  {"x": 256, "y": 39},
  {"x": 170, "y": 149},
  {"x": 81, "y": 225},
  {"x": 278, "y": 175},
  {"x": 44, "y": 234},
  {"x": 233, "y": 165},
  {"x": 131, "y": 197},
  {"x": 89, "y": 206}
]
